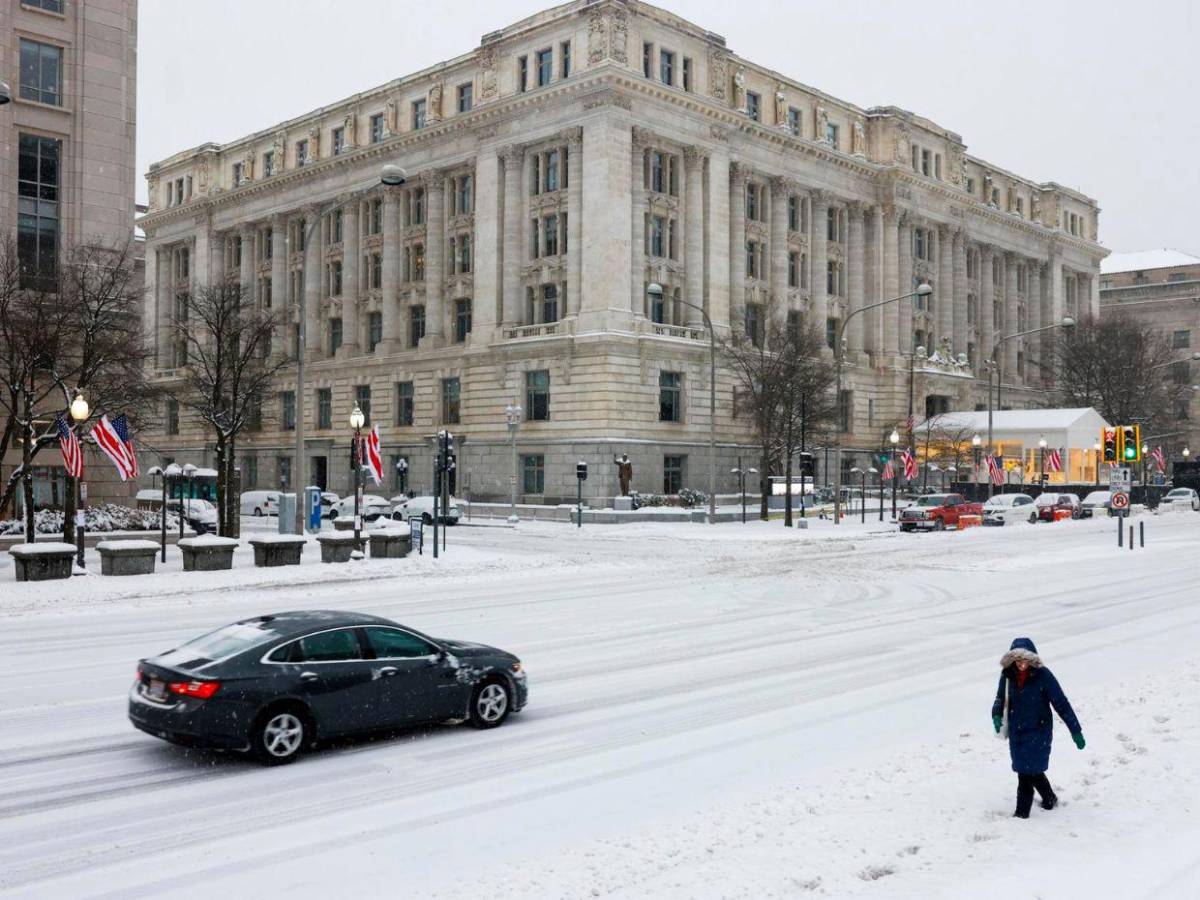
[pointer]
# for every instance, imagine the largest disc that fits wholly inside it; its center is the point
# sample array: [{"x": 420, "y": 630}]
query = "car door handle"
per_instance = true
[
  {"x": 309, "y": 676},
  {"x": 388, "y": 671}
]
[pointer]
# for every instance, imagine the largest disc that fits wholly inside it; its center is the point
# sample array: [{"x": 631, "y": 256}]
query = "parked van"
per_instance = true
[{"x": 260, "y": 503}]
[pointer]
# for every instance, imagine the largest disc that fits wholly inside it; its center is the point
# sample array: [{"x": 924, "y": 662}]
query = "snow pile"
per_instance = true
[{"x": 109, "y": 517}]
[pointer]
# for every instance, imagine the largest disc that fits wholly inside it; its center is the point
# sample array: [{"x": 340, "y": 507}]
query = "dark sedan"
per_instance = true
[{"x": 272, "y": 685}]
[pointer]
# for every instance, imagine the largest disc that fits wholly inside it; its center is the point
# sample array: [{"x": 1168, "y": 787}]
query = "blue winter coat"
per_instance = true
[{"x": 1030, "y": 725}]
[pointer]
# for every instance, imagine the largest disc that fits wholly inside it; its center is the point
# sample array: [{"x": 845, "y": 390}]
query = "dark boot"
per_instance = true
[
  {"x": 1042, "y": 784},
  {"x": 1024, "y": 796}
]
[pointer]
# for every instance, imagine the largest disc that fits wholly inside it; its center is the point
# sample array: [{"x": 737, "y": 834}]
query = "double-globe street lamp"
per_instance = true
[
  {"x": 741, "y": 474},
  {"x": 513, "y": 414},
  {"x": 863, "y": 487},
  {"x": 839, "y": 356},
  {"x": 357, "y": 420},
  {"x": 976, "y": 443},
  {"x": 79, "y": 412},
  {"x": 1042, "y": 447},
  {"x": 894, "y": 440}
]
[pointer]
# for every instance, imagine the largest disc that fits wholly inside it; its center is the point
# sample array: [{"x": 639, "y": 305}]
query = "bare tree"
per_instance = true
[
  {"x": 227, "y": 371},
  {"x": 946, "y": 441},
  {"x": 1120, "y": 366}
]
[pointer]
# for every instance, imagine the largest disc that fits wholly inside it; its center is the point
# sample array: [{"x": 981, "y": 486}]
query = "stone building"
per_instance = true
[
  {"x": 1162, "y": 288},
  {"x": 67, "y": 172},
  {"x": 557, "y": 171}
]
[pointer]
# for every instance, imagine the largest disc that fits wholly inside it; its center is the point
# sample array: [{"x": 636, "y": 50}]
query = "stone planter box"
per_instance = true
[
  {"x": 277, "y": 549},
  {"x": 127, "y": 557},
  {"x": 343, "y": 524},
  {"x": 391, "y": 543},
  {"x": 42, "y": 562},
  {"x": 336, "y": 548},
  {"x": 207, "y": 553}
]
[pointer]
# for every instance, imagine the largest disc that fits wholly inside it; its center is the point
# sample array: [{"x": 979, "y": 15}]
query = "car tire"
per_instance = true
[
  {"x": 939, "y": 525},
  {"x": 281, "y": 734},
  {"x": 258, "y": 512},
  {"x": 426, "y": 518},
  {"x": 1033, "y": 518},
  {"x": 491, "y": 702},
  {"x": 906, "y": 527}
]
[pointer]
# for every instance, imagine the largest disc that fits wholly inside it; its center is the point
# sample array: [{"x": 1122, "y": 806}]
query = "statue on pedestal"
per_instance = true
[{"x": 624, "y": 472}]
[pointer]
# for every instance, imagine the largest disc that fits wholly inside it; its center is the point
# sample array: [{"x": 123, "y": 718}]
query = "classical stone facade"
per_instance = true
[{"x": 555, "y": 173}]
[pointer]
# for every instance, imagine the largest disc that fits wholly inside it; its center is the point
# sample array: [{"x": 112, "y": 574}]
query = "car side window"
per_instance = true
[
  {"x": 331, "y": 646},
  {"x": 392, "y": 643},
  {"x": 288, "y": 653}
]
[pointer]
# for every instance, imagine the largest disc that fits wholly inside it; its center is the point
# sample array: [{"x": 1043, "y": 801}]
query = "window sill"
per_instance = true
[
  {"x": 38, "y": 104},
  {"x": 45, "y": 12}
]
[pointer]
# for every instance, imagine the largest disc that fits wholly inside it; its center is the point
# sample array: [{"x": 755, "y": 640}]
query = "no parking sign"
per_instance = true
[{"x": 1120, "y": 500}]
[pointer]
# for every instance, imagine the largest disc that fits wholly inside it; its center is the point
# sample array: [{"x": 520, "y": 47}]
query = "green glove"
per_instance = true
[
  {"x": 1079, "y": 741},
  {"x": 997, "y": 721}
]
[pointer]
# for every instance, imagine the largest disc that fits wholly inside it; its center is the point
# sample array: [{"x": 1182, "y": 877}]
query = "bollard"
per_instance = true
[
  {"x": 1120, "y": 532},
  {"x": 1130, "y": 537},
  {"x": 1141, "y": 534}
]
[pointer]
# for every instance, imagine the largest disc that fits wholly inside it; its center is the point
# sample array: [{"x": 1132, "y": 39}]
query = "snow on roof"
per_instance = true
[
  {"x": 1011, "y": 419},
  {"x": 1146, "y": 259}
]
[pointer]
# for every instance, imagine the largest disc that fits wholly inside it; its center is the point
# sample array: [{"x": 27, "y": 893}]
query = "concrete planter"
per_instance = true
[
  {"x": 127, "y": 557},
  {"x": 343, "y": 524},
  {"x": 391, "y": 543},
  {"x": 277, "y": 550},
  {"x": 208, "y": 553},
  {"x": 42, "y": 562},
  {"x": 336, "y": 548}
]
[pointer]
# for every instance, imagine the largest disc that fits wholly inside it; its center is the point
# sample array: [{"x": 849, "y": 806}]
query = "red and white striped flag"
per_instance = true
[
  {"x": 889, "y": 471},
  {"x": 995, "y": 469},
  {"x": 72, "y": 453},
  {"x": 1160, "y": 460},
  {"x": 1054, "y": 461},
  {"x": 121, "y": 426},
  {"x": 114, "y": 448},
  {"x": 910, "y": 464},
  {"x": 374, "y": 460},
  {"x": 910, "y": 423}
]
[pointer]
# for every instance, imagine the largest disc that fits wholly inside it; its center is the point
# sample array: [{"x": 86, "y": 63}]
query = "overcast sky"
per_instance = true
[{"x": 1093, "y": 94}]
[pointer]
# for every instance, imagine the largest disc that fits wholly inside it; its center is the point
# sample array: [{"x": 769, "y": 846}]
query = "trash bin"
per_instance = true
[
  {"x": 287, "y": 513},
  {"x": 312, "y": 507}
]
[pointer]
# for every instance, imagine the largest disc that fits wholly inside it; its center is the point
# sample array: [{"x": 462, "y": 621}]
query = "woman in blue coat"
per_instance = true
[{"x": 1031, "y": 690}]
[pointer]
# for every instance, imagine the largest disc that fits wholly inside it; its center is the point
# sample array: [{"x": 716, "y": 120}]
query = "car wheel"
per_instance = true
[
  {"x": 258, "y": 512},
  {"x": 427, "y": 518},
  {"x": 906, "y": 528},
  {"x": 490, "y": 704},
  {"x": 1033, "y": 518},
  {"x": 939, "y": 525},
  {"x": 280, "y": 735}
]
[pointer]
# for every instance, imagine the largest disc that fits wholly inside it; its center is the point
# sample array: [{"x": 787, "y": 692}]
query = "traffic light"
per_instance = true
[
  {"x": 1108, "y": 439},
  {"x": 1131, "y": 443},
  {"x": 808, "y": 464},
  {"x": 581, "y": 471}
]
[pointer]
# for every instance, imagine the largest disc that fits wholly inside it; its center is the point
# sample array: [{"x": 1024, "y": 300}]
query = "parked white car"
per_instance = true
[
  {"x": 1097, "y": 503},
  {"x": 260, "y": 503},
  {"x": 1008, "y": 509},
  {"x": 328, "y": 501},
  {"x": 200, "y": 515},
  {"x": 407, "y": 507},
  {"x": 373, "y": 506},
  {"x": 1181, "y": 497}
]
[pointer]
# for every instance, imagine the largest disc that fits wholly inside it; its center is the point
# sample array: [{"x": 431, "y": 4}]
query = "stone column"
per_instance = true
[
  {"x": 1054, "y": 308},
  {"x": 854, "y": 276},
  {"x": 945, "y": 287},
  {"x": 514, "y": 228},
  {"x": 279, "y": 270},
  {"x": 606, "y": 302},
  {"x": 693, "y": 229},
  {"x": 781, "y": 188},
  {"x": 1033, "y": 309},
  {"x": 314, "y": 283},
  {"x": 905, "y": 283},
  {"x": 217, "y": 247},
  {"x": 987, "y": 299},
  {"x": 574, "y": 220},
  {"x": 637, "y": 212},
  {"x": 246, "y": 275},
  {"x": 389, "y": 301},
  {"x": 486, "y": 313},
  {"x": 1011, "y": 306},
  {"x": 162, "y": 307},
  {"x": 350, "y": 268},
  {"x": 889, "y": 280},
  {"x": 872, "y": 290},
  {"x": 435, "y": 254},
  {"x": 717, "y": 238},
  {"x": 960, "y": 339},
  {"x": 819, "y": 300},
  {"x": 737, "y": 237}
]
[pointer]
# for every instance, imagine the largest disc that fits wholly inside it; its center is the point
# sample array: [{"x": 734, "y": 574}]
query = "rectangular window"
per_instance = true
[
  {"x": 552, "y": 167},
  {"x": 564, "y": 57},
  {"x": 673, "y": 474},
  {"x": 302, "y": 152},
  {"x": 284, "y": 465},
  {"x": 339, "y": 141},
  {"x": 416, "y": 325},
  {"x": 38, "y": 213},
  {"x": 831, "y": 135},
  {"x": 794, "y": 268},
  {"x": 462, "y": 319},
  {"x": 1181, "y": 339},
  {"x": 464, "y": 253},
  {"x": 687, "y": 74},
  {"x": 647, "y": 57},
  {"x": 54, "y": 6},
  {"x": 418, "y": 114},
  {"x": 666, "y": 67},
  {"x": 752, "y": 206},
  {"x": 545, "y": 66},
  {"x": 537, "y": 395},
  {"x": 404, "y": 403},
  {"x": 550, "y": 236},
  {"x": 522, "y": 73},
  {"x": 752, "y": 323},
  {"x": 376, "y": 128},
  {"x": 533, "y": 471},
  {"x": 463, "y": 193},
  {"x": 376, "y": 269},
  {"x": 450, "y": 401},
  {"x": 845, "y": 407},
  {"x": 793, "y": 120},
  {"x": 335, "y": 335},
  {"x": 268, "y": 163},
  {"x": 658, "y": 171},
  {"x": 287, "y": 403},
  {"x": 41, "y": 72},
  {"x": 237, "y": 174},
  {"x": 1181, "y": 372},
  {"x": 658, "y": 228},
  {"x": 753, "y": 106},
  {"x": 466, "y": 97},
  {"x": 172, "y": 417},
  {"x": 831, "y": 327},
  {"x": 335, "y": 278},
  {"x": 752, "y": 259},
  {"x": 249, "y": 472},
  {"x": 324, "y": 408},
  {"x": 970, "y": 185},
  {"x": 362, "y": 398},
  {"x": 549, "y": 303},
  {"x": 374, "y": 330},
  {"x": 418, "y": 262},
  {"x": 793, "y": 213},
  {"x": 375, "y": 222},
  {"x": 670, "y": 397}
]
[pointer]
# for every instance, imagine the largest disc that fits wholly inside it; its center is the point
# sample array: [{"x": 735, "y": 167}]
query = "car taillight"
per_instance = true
[{"x": 202, "y": 690}]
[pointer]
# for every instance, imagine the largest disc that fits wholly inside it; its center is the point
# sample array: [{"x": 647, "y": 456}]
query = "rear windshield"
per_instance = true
[
  {"x": 220, "y": 644},
  {"x": 1179, "y": 492}
]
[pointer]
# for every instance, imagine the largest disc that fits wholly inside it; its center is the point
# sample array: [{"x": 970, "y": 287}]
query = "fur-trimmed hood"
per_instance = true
[{"x": 1022, "y": 648}]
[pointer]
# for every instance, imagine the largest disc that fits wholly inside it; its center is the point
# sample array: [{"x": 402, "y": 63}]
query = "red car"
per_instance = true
[
  {"x": 937, "y": 512},
  {"x": 1055, "y": 507}
]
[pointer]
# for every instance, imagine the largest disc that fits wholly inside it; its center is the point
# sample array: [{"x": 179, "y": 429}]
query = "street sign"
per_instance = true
[
  {"x": 416, "y": 529},
  {"x": 1120, "y": 500},
  {"x": 1120, "y": 478}
]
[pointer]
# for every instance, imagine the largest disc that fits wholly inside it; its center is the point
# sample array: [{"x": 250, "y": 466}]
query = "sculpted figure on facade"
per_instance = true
[
  {"x": 391, "y": 116},
  {"x": 858, "y": 140},
  {"x": 608, "y": 36},
  {"x": 152, "y": 191},
  {"x": 487, "y": 74},
  {"x": 433, "y": 103},
  {"x": 314, "y": 143},
  {"x": 279, "y": 149},
  {"x": 822, "y": 125},
  {"x": 1035, "y": 205},
  {"x": 349, "y": 130},
  {"x": 718, "y": 73},
  {"x": 903, "y": 146},
  {"x": 248, "y": 165},
  {"x": 739, "y": 89},
  {"x": 781, "y": 107},
  {"x": 202, "y": 175},
  {"x": 619, "y": 37},
  {"x": 597, "y": 37}
]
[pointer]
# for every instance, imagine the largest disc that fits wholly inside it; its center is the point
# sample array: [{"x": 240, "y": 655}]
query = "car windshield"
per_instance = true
[
  {"x": 1047, "y": 499},
  {"x": 932, "y": 500},
  {"x": 1005, "y": 500},
  {"x": 1180, "y": 492},
  {"x": 1097, "y": 497},
  {"x": 220, "y": 644}
]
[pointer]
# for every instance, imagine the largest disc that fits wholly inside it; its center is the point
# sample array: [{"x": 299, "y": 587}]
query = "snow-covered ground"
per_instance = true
[{"x": 715, "y": 711}]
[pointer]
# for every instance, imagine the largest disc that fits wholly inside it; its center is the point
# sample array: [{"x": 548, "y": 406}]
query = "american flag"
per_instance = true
[
  {"x": 995, "y": 469},
  {"x": 1053, "y": 460},
  {"x": 72, "y": 453},
  {"x": 889, "y": 471},
  {"x": 374, "y": 459},
  {"x": 909, "y": 423},
  {"x": 1160, "y": 461},
  {"x": 121, "y": 426},
  {"x": 910, "y": 464},
  {"x": 114, "y": 448}
]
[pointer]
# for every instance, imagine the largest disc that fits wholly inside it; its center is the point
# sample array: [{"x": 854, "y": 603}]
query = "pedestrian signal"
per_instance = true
[{"x": 1108, "y": 440}]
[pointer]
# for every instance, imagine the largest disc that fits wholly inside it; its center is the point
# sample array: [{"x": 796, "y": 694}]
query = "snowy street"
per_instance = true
[{"x": 728, "y": 711}]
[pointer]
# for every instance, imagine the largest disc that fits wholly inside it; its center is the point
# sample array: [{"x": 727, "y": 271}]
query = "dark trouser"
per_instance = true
[{"x": 1026, "y": 784}]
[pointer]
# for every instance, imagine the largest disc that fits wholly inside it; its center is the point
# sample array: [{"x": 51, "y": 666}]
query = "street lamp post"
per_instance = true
[
  {"x": 1096, "y": 449},
  {"x": 402, "y": 476},
  {"x": 741, "y": 474},
  {"x": 994, "y": 369},
  {"x": 188, "y": 472},
  {"x": 976, "y": 440},
  {"x": 156, "y": 471},
  {"x": 79, "y": 412},
  {"x": 894, "y": 439},
  {"x": 513, "y": 412},
  {"x": 880, "y": 473},
  {"x": 1145, "y": 487},
  {"x": 950, "y": 472},
  {"x": 839, "y": 356},
  {"x": 655, "y": 291},
  {"x": 1042, "y": 477},
  {"x": 357, "y": 420}
]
